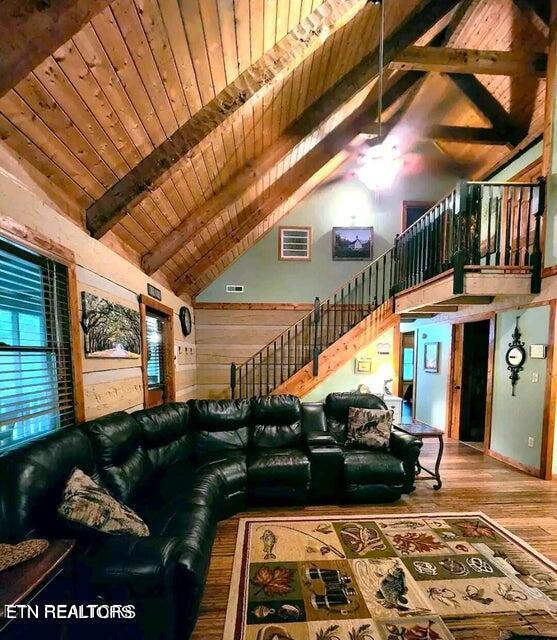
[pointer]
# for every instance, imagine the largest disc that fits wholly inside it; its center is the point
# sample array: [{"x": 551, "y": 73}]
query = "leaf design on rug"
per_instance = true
[
  {"x": 330, "y": 633},
  {"x": 413, "y": 542},
  {"x": 273, "y": 582},
  {"x": 474, "y": 529},
  {"x": 361, "y": 633}
]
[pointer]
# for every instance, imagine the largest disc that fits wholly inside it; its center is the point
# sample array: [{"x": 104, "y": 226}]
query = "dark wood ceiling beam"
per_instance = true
[
  {"x": 469, "y": 135},
  {"x": 251, "y": 85},
  {"x": 31, "y": 30},
  {"x": 235, "y": 189},
  {"x": 488, "y": 106},
  {"x": 111, "y": 207},
  {"x": 474, "y": 61}
]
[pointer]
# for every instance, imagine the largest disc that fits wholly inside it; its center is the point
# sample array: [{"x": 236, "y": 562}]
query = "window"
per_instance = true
[
  {"x": 36, "y": 378},
  {"x": 408, "y": 363},
  {"x": 294, "y": 243},
  {"x": 155, "y": 351}
]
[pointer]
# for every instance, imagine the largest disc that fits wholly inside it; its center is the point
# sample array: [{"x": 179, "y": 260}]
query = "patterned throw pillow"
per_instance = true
[
  {"x": 369, "y": 427},
  {"x": 86, "y": 503}
]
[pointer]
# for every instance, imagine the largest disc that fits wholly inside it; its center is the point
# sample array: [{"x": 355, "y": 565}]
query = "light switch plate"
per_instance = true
[{"x": 535, "y": 376}]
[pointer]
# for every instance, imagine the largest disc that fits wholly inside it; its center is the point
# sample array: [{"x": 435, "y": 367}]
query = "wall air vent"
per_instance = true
[{"x": 234, "y": 288}]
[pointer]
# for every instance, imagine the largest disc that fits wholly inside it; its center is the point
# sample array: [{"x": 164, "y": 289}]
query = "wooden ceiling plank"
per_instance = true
[
  {"x": 108, "y": 33},
  {"x": 96, "y": 58},
  {"x": 32, "y": 31},
  {"x": 250, "y": 85},
  {"x": 475, "y": 61},
  {"x": 484, "y": 102},
  {"x": 210, "y": 22},
  {"x": 172, "y": 19}
]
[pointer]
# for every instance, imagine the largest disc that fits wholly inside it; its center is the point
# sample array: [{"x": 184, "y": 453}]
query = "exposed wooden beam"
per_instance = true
[
  {"x": 106, "y": 211},
  {"x": 452, "y": 133},
  {"x": 475, "y": 61},
  {"x": 484, "y": 102},
  {"x": 235, "y": 189},
  {"x": 251, "y": 85},
  {"x": 31, "y": 30}
]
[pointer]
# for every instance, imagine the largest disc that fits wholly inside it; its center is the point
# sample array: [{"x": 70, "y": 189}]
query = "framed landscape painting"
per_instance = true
[
  {"x": 110, "y": 330},
  {"x": 352, "y": 243}
]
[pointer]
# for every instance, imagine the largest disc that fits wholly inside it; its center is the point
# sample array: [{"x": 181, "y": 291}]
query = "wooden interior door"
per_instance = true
[
  {"x": 157, "y": 352},
  {"x": 455, "y": 382}
]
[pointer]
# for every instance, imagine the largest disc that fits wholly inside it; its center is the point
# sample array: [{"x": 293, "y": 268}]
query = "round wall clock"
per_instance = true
[
  {"x": 185, "y": 320},
  {"x": 515, "y": 356}
]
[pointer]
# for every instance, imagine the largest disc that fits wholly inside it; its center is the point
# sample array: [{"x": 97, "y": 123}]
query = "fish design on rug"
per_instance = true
[
  {"x": 392, "y": 590},
  {"x": 262, "y": 611},
  {"x": 269, "y": 541}
]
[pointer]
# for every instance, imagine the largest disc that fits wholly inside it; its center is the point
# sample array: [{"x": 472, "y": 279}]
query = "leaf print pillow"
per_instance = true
[{"x": 369, "y": 428}]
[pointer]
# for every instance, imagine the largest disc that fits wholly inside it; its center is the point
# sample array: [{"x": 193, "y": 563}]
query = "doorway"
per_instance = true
[
  {"x": 157, "y": 337},
  {"x": 407, "y": 374},
  {"x": 472, "y": 382}
]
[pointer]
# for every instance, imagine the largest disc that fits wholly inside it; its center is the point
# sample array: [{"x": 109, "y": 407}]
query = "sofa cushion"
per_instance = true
[
  {"x": 231, "y": 467},
  {"x": 337, "y": 406},
  {"x": 372, "y": 467},
  {"x": 282, "y": 467},
  {"x": 167, "y": 437},
  {"x": 369, "y": 428},
  {"x": 88, "y": 505},
  {"x": 123, "y": 464},
  {"x": 277, "y": 422},
  {"x": 32, "y": 482},
  {"x": 220, "y": 425}
]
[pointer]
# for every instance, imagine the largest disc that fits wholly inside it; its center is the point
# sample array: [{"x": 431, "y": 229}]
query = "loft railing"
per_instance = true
[
  {"x": 478, "y": 224},
  {"x": 302, "y": 343}
]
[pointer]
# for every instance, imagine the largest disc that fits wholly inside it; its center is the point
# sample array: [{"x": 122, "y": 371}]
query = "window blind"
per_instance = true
[
  {"x": 294, "y": 243},
  {"x": 155, "y": 351},
  {"x": 36, "y": 383}
]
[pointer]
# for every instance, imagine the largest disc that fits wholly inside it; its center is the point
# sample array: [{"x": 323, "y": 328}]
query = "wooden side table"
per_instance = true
[
  {"x": 44, "y": 579},
  {"x": 423, "y": 431}
]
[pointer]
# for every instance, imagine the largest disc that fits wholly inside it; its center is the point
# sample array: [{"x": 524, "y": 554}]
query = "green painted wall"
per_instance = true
[
  {"x": 344, "y": 203},
  {"x": 346, "y": 378},
  {"x": 514, "y": 419}
]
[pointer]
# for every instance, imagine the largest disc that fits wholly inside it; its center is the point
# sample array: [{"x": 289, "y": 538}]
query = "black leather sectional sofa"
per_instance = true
[{"x": 183, "y": 467}]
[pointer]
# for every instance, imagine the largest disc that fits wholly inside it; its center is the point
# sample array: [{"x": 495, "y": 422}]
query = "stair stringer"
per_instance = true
[{"x": 341, "y": 351}]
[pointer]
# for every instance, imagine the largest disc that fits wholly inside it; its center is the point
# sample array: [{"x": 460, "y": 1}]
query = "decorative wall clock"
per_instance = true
[
  {"x": 515, "y": 356},
  {"x": 185, "y": 320}
]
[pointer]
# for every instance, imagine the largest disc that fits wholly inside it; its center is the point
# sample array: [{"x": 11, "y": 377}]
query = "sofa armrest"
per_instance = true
[
  {"x": 406, "y": 448},
  {"x": 320, "y": 439}
]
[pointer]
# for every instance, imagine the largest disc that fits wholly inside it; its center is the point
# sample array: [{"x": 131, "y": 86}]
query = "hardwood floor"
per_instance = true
[{"x": 525, "y": 505}]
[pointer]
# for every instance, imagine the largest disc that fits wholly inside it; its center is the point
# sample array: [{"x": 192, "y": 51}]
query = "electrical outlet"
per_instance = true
[
  {"x": 530, "y": 441},
  {"x": 535, "y": 376}
]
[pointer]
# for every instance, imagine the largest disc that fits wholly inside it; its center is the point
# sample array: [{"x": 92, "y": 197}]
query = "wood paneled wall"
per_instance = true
[
  {"x": 232, "y": 332},
  {"x": 109, "y": 384}
]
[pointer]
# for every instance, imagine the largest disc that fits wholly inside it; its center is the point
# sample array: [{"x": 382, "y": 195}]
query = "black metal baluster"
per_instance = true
[{"x": 528, "y": 226}]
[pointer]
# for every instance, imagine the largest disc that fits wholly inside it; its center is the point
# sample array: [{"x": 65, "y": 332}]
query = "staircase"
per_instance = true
[
  {"x": 483, "y": 239},
  {"x": 327, "y": 337}
]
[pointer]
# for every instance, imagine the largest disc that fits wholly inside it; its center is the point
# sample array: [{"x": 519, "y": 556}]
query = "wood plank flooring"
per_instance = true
[{"x": 472, "y": 482}]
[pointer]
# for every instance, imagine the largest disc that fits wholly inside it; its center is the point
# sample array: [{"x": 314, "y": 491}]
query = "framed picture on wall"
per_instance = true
[
  {"x": 431, "y": 357},
  {"x": 363, "y": 365},
  {"x": 352, "y": 243},
  {"x": 413, "y": 210}
]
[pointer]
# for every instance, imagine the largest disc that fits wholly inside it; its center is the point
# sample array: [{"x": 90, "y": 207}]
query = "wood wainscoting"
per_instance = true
[{"x": 233, "y": 332}]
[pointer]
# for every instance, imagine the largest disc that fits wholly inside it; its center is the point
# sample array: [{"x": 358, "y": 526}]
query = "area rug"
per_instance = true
[{"x": 392, "y": 577}]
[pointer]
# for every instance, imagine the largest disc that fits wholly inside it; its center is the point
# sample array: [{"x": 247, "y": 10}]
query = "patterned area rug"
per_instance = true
[{"x": 410, "y": 577}]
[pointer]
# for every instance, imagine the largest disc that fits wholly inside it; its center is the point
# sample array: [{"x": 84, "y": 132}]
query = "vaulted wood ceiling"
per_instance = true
[{"x": 184, "y": 129}]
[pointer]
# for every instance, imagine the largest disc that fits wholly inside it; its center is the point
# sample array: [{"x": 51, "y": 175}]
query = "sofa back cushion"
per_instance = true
[
  {"x": 313, "y": 417},
  {"x": 32, "y": 482},
  {"x": 123, "y": 464},
  {"x": 166, "y": 434},
  {"x": 220, "y": 425},
  {"x": 277, "y": 422},
  {"x": 337, "y": 406}
]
